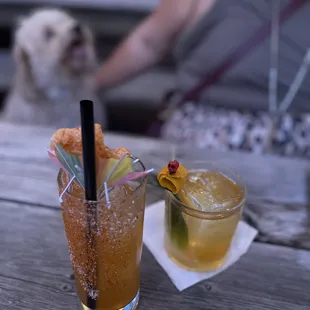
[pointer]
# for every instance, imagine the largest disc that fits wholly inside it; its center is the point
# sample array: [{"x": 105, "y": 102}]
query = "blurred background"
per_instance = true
[{"x": 110, "y": 20}]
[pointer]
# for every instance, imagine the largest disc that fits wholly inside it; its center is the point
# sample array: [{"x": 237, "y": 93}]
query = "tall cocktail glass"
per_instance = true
[{"x": 105, "y": 243}]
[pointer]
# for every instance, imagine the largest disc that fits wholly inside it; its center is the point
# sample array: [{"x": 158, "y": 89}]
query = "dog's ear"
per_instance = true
[
  {"x": 22, "y": 62},
  {"x": 24, "y": 75},
  {"x": 20, "y": 56}
]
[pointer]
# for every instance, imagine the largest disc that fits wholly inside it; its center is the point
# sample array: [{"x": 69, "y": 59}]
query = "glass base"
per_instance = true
[
  {"x": 206, "y": 267},
  {"x": 131, "y": 306},
  {"x": 187, "y": 264}
]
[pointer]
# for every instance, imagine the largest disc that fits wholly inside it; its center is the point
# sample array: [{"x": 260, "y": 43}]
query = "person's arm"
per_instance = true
[{"x": 146, "y": 45}]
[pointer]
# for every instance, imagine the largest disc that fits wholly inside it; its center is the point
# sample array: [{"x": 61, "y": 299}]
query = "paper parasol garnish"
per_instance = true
[{"x": 114, "y": 172}]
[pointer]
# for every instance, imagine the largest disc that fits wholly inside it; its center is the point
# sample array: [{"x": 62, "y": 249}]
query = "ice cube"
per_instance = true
[{"x": 211, "y": 191}]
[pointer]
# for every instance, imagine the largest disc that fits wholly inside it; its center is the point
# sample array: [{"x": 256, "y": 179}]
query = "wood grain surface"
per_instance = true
[
  {"x": 36, "y": 273},
  {"x": 277, "y": 204},
  {"x": 281, "y": 180},
  {"x": 28, "y": 175},
  {"x": 278, "y": 188}
]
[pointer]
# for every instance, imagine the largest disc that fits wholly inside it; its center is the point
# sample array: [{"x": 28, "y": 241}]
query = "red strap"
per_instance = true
[
  {"x": 243, "y": 50},
  {"x": 240, "y": 52}
]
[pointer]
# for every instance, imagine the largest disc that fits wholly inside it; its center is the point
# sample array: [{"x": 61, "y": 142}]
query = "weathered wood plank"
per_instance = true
[
  {"x": 33, "y": 179},
  {"x": 281, "y": 224},
  {"x": 28, "y": 174},
  {"x": 278, "y": 188},
  {"x": 268, "y": 177},
  {"x": 286, "y": 224},
  {"x": 278, "y": 192},
  {"x": 28, "y": 143},
  {"x": 35, "y": 272},
  {"x": 36, "y": 183}
]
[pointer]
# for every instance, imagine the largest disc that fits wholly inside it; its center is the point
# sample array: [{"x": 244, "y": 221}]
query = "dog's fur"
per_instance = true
[{"x": 55, "y": 63}]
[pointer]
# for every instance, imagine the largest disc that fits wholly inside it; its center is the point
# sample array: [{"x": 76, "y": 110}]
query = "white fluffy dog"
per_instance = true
[{"x": 55, "y": 61}]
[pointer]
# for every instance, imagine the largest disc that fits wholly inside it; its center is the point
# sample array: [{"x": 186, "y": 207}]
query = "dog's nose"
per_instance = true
[{"x": 77, "y": 29}]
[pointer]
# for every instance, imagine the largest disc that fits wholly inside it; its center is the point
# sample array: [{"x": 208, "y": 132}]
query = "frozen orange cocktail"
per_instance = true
[{"x": 104, "y": 236}]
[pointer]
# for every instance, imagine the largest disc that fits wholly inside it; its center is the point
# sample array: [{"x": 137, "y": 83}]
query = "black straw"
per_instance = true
[
  {"x": 89, "y": 166},
  {"x": 88, "y": 141}
]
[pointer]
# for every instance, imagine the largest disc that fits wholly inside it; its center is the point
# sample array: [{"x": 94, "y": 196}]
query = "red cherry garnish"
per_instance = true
[{"x": 173, "y": 166}]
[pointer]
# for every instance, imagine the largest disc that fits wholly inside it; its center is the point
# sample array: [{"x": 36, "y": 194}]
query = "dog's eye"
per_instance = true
[{"x": 48, "y": 33}]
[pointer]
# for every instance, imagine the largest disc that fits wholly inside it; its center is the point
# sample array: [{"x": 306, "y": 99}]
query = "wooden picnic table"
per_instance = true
[{"x": 35, "y": 270}]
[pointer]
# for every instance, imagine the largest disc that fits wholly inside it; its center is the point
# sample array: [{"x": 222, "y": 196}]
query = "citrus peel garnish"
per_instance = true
[
  {"x": 70, "y": 140},
  {"x": 67, "y": 150},
  {"x": 172, "y": 181}
]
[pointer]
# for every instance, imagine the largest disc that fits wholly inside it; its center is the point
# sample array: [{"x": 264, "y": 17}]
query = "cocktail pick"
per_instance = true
[
  {"x": 106, "y": 192},
  {"x": 107, "y": 168},
  {"x": 65, "y": 189},
  {"x": 89, "y": 167},
  {"x": 53, "y": 156},
  {"x": 119, "y": 174},
  {"x": 118, "y": 181},
  {"x": 173, "y": 152},
  {"x": 71, "y": 163},
  {"x": 104, "y": 187},
  {"x": 132, "y": 176},
  {"x": 193, "y": 201}
]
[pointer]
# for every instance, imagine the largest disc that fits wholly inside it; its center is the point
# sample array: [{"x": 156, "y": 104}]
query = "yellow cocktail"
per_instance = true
[{"x": 199, "y": 226}]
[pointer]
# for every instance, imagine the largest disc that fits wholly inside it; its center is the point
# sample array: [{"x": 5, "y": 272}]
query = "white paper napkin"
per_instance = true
[{"x": 153, "y": 238}]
